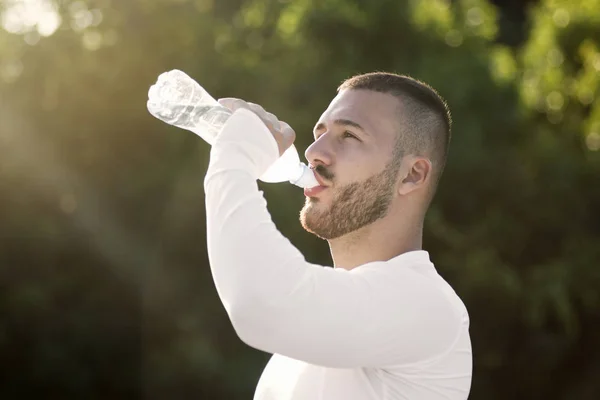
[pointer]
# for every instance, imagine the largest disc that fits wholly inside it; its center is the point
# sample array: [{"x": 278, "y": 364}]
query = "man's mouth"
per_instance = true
[{"x": 313, "y": 191}]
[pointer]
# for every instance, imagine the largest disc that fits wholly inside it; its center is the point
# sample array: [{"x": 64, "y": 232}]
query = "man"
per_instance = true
[{"x": 381, "y": 324}]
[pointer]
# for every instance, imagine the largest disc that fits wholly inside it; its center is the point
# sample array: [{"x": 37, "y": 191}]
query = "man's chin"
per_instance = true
[
  {"x": 313, "y": 230},
  {"x": 313, "y": 209},
  {"x": 308, "y": 216}
]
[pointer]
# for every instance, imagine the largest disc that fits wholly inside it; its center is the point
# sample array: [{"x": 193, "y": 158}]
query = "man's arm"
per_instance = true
[{"x": 279, "y": 303}]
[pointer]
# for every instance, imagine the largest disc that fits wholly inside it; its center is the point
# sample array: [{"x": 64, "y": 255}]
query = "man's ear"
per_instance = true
[{"x": 415, "y": 174}]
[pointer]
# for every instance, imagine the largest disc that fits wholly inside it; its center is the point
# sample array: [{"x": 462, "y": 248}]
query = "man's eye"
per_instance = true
[{"x": 348, "y": 134}]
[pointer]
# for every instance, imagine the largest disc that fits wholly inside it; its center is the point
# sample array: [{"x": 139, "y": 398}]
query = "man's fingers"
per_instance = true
[
  {"x": 269, "y": 119},
  {"x": 256, "y": 108},
  {"x": 231, "y": 103},
  {"x": 283, "y": 132},
  {"x": 266, "y": 116},
  {"x": 289, "y": 135},
  {"x": 276, "y": 122}
]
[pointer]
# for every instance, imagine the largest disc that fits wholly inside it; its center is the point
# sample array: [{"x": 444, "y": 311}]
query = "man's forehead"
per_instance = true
[{"x": 368, "y": 108}]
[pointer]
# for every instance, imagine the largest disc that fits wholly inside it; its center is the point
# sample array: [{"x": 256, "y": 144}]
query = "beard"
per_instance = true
[{"x": 353, "y": 206}]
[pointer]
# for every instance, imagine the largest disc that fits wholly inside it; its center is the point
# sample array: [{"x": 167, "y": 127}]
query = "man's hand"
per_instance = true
[{"x": 283, "y": 133}]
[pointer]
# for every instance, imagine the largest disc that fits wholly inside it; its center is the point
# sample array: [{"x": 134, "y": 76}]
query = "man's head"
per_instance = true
[{"x": 381, "y": 143}]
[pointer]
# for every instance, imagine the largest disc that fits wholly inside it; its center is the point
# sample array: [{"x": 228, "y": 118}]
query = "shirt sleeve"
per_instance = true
[{"x": 373, "y": 315}]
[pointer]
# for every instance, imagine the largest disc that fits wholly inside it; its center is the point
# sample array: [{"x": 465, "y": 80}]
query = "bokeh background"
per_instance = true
[{"x": 105, "y": 290}]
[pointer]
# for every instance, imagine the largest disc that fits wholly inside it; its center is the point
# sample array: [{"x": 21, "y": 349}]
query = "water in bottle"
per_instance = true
[{"x": 180, "y": 101}]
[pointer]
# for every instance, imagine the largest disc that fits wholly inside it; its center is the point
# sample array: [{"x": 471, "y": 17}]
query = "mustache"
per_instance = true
[{"x": 321, "y": 170}]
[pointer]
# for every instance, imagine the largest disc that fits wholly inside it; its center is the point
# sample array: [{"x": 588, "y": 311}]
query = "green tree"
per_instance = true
[{"x": 105, "y": 288}]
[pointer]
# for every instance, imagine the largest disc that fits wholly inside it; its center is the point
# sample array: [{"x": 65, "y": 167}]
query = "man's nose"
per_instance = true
[{"x": 320, "y": 152}]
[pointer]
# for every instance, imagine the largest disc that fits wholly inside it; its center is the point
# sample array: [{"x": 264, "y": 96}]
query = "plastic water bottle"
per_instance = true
[{"x": 180, "y": 101}]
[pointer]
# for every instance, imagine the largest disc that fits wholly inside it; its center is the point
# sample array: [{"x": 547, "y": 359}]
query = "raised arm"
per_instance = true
[{"x": 374, "y": 315}]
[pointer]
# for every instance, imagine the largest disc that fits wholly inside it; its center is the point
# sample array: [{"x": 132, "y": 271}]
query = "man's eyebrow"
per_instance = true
[{"x": 343, "y": 122}]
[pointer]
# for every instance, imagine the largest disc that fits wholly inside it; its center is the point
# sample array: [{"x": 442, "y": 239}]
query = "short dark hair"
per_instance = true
[{"x": 425, "y": 121}]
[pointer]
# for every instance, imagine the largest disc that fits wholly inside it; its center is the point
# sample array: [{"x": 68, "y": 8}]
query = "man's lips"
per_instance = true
[{"x": 313, "y": 191}]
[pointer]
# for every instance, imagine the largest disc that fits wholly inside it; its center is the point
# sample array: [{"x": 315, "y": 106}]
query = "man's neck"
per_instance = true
[{"x": 376, "y": 242}]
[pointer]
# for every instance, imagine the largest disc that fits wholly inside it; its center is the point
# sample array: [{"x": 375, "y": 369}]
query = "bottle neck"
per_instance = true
[{"x": 304, "y": 177}]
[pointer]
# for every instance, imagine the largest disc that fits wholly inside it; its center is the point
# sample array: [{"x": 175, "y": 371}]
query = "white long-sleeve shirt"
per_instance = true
[{"x": 384, "y": 330}]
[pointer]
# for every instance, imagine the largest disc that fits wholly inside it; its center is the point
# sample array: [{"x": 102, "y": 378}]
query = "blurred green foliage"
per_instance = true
[{"x": 105, "y": 291}]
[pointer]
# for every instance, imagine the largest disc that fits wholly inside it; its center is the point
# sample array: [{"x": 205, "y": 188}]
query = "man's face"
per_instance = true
[{"x": 352, "y": 153}]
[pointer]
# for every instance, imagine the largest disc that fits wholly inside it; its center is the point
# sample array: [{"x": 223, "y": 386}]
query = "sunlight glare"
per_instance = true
[{"x": 25, "y": 16}]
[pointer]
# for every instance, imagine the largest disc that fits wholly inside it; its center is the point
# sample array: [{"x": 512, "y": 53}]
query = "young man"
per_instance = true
[{"x": 381, "y": 324}]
